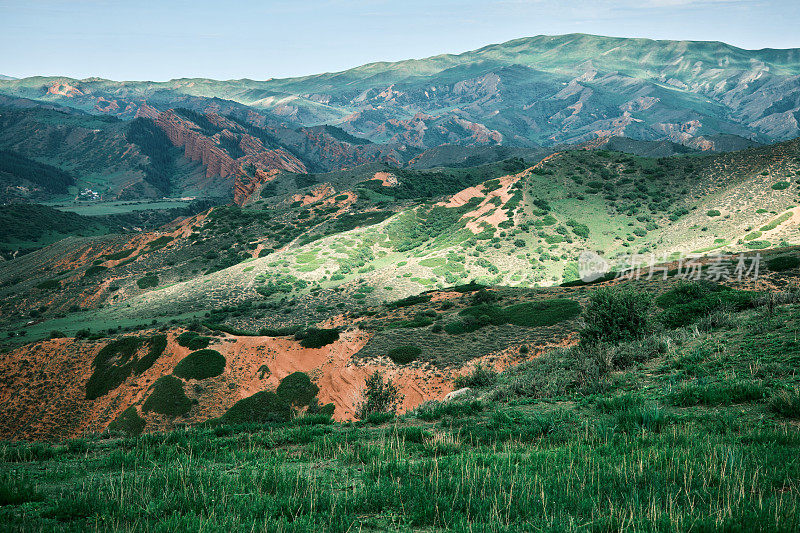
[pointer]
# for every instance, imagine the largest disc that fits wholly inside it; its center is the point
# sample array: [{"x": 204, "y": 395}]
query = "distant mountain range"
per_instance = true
[{"x": 537, "y": 91}]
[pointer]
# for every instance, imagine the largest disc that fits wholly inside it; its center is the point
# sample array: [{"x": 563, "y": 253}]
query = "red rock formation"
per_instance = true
[{"x": 258, "y": 165}]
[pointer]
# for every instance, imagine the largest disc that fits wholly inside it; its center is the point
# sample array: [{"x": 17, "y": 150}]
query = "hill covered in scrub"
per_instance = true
[
  {"x": 638, "y": 412},
  {"x": 359, "y": 300},
  {"x": 373, "y": 234}
]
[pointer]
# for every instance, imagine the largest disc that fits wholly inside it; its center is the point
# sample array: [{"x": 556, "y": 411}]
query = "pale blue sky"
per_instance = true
[{"x": 145, "y": 40}]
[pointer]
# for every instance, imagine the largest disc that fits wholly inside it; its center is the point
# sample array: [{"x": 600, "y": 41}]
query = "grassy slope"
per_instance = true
[
  {"x": 630, "y": 204},
  {"x": 550, "y": 445}
]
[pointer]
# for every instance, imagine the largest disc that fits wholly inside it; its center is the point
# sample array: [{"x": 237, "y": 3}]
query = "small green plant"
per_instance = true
[
  {"x": 16, "y": 488},
  {"x": 379, "y": 396},
  {"x": 721, "y": 393},
  {"x": 480, "y": 376}
]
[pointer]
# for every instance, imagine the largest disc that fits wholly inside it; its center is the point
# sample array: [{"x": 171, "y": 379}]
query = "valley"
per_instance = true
[{"x": 548, "y": 284}]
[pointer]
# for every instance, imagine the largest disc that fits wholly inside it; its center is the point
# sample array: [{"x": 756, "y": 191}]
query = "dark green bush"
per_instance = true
[
  {"x": 168, "y": 397},
  {"x": 297, "y": 389},
  {"x": 544, "y": 313},
  {"x": 690, "y": 301},
  {"x": 117, "y": 360},
  {"x": 786, "y": 403},
  {"x": 148, "y": 282},
  {"x": 261, "y": 407},
  {"x": 158, "y": 344},
  {"x": 528, "y": 314},
  {"x": 409, "y": 301},
  {"x": 128, "y": 422},
  {"x": 786, "y": 262},
  {"x": 317, "y": 338},
  {"x": 403, "y": 355},
  {"x": 713, "y": 394},
  {"x": 49, "y": 285},
  {"x": 193, "y": 341},
  {"x": 615, "y": 315},
  {"x": 379, "y": 396},
  {"x": 201, "y": 364},
  {"x": 94, "y": 270}
]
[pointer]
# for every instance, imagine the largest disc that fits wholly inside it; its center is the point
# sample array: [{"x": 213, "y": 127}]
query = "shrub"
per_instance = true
[
  {"x": 128, "y": 422},
  {"x": 148, "y": 282},
  {"x": 193, "y": 341},
  {"x": 480, "y": 376},
  {"x": 379, "y": 396},
  {"x": 297, "y": 389},
  {"x": 528, "y": 314},
  {"x": 201, "y": 364},
  {"x": 786, "y": 262},
  {"x": 378, "y": 418},
  {"x": 786, "y": 403},
  {"x": 687, "y": 302},
  {"x": 168, "y": 397},
  {"x": 317, "y": 338},
  {"x": 409, "y": 301},
  {"x": 543, "y": 313},
  {"x": 615, "y": 315},
  {"x": 17, "y": 488},
  {"x": 261, "y": 407},
  {"x": 403, "y": 355},
  {"x": 94, "y": 270},
  {"x": 56, "y": 334},
  {"x": 49, "y": 285},
  {"x": 158, "y": 344},
  {"x": 712, "y": 394},
  {"x": 713, "y": 213},
  {"x": 781, "y": 185},
  {"x": 117, "y": 360}
]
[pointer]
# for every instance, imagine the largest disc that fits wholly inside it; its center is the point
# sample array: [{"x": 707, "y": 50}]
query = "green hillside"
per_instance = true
[{"x": 596, "y": 436}]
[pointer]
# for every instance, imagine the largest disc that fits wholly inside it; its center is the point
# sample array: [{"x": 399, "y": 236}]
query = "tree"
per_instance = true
[{"x": 379, "y": 396}]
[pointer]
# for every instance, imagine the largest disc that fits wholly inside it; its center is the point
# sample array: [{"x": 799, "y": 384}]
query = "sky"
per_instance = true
[{"x": 161, "y": 40}]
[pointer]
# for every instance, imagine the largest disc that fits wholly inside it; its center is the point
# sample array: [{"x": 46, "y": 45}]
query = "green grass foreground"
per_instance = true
[{"x": 693, "y": 429}]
